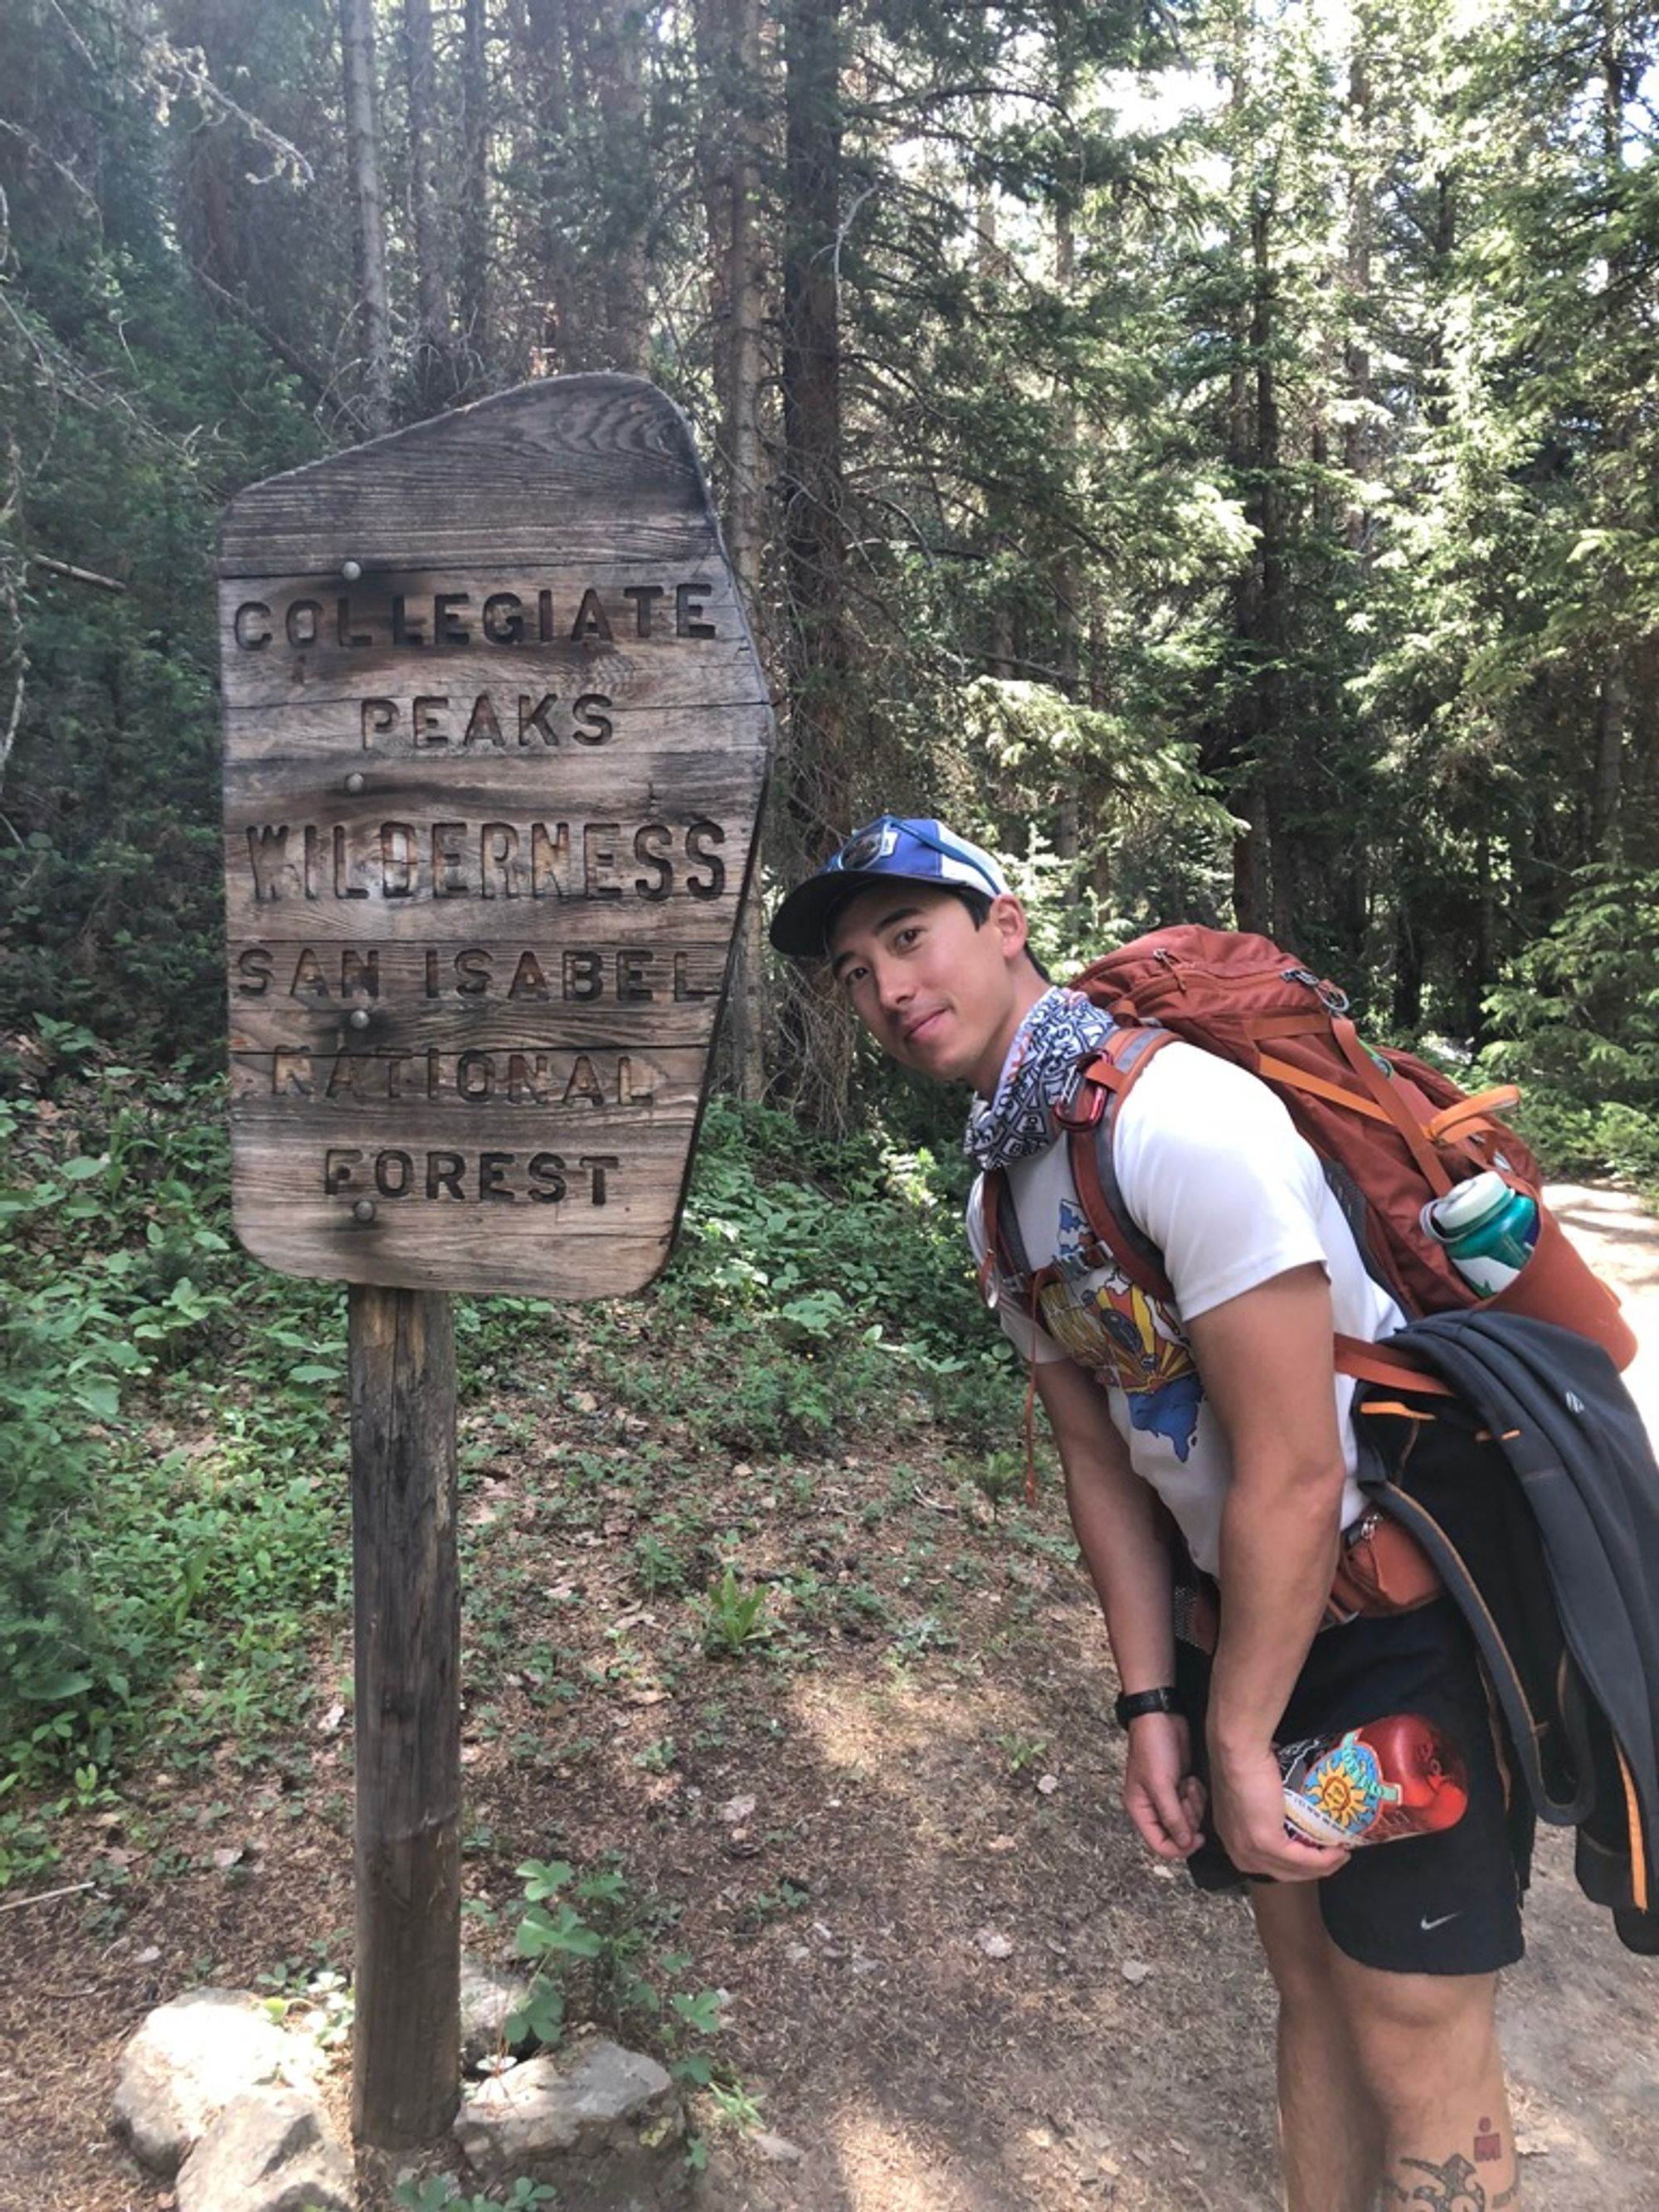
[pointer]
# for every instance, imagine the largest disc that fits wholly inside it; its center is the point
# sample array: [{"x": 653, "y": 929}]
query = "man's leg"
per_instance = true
[
  {"x": 1329, "y": 2127},
  {"x": 1427, "y": 2051}
]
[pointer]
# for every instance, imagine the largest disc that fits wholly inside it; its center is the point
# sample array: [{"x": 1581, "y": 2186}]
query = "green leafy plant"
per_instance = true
[
  {"x": 142, "y": 1581},
  {"x": 657, "y": 1567},
  {"x": 1023, "y": 1752},
  {"x": 998, "y": 1477},
  {"x": 320, "y": 1996},
  {"x": 598, "y": 1953},
  {"x": 733, "y": 1620},
  {"x": 440, "y": 2194}
]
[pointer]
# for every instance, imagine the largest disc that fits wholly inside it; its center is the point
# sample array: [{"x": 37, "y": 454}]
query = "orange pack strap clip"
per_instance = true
[{"x": 1483, "y": 1107}]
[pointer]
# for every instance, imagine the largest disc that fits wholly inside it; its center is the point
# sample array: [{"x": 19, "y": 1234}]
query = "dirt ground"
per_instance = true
[{"x": 954, "y": 1981}]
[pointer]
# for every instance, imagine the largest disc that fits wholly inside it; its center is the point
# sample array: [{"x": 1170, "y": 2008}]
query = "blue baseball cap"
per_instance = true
[{"x": 892, "y": 847}]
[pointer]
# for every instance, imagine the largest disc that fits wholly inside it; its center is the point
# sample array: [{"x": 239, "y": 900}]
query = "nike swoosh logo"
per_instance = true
[{"x": 1428, "y": 1926}]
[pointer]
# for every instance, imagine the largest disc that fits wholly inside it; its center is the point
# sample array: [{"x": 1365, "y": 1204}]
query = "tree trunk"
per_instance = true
[
  {"x": 434, "y": 385},
  {"x": 561, "y": 346},
  {"x": 1270, "y": 876},
  {"x": 617, "y": 60},
  {"x": 733, "y": 144},
  {"x": 1437, "y": 399},
  {"x": 1612, "y": 724},
  {"x": 1358, "y": 440},
  {"x": 14, "y": 664},
  {"x": 1407, "y": 1007},
  {"x": 814, "y": 529},
  {"x": 1613, "y": 713},
  {"x": 213, "y": 203},
  {"x": 1068, "y": 815},
  {"x": 747, "y": 289},
  {"x": 1238, "y": 752},
  {"x": 990, "y": 266},
  {"x": 472, "y": 287},
  {"x": 363, "y": 166}
]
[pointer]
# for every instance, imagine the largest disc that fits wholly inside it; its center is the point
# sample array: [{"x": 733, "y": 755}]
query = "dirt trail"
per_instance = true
[
  {"x": 1134, "y": 2022},
  {"x": 955, "y": 1981},
  {"x": 1121, "y": 2054},
  {"x": 1580, "y": 2016}
]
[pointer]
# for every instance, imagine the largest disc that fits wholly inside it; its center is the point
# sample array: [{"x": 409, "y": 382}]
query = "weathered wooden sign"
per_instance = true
[{"x": 496, "y": 738}]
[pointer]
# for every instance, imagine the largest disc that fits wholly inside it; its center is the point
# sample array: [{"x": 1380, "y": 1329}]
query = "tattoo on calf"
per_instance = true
[{"x": 1455, "y": 2186}]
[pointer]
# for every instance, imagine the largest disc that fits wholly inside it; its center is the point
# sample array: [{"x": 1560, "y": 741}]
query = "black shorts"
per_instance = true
[{"x": 1449, "y": 1903}]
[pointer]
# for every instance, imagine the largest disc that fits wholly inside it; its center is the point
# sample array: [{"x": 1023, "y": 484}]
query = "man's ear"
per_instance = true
[{"x": 1007, "y": 918}]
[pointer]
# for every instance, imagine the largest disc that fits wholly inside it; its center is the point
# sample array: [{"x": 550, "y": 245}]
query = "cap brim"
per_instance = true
[{"x": 800, "y": 927}]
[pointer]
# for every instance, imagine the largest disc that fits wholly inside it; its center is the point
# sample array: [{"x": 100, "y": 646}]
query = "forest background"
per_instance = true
[{"x": 1209, "y": 451}]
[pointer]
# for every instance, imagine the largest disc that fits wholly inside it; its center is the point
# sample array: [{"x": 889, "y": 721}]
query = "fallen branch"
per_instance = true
[
  {"x": 75, "y": 575},
  {"x": 307, "y": 371},
  {"x": 70, "y": 1889},
  {"x": 11, "y": 571}
]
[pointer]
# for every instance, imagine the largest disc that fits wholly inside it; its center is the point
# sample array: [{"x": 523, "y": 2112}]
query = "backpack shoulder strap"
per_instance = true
[
  {"x": 1006, "y": 1265},
  {"x": 1089, "y": 1116}
]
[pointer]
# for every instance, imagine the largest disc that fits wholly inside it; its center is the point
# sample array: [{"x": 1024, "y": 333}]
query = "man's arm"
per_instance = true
[
  {"x": 1111, "y": 1510},
  {"x": 1265, "y": 1358}
]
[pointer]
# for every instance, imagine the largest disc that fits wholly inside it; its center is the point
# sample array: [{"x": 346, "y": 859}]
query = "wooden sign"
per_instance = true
[{"x": 496, "y": 738}]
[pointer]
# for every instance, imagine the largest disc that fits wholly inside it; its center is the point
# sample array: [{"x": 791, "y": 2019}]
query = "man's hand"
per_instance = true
[
  {"x": 1266, "y": 1360},
  {"x": 1250, "y": 1818},
  {"x": 1162, "y": 1795}
]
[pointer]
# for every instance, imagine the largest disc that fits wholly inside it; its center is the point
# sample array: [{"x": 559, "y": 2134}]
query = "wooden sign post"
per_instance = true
[{"x": 496, "y": 740}]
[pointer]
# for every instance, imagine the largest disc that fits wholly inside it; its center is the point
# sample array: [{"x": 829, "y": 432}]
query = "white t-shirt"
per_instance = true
[{"x": 1211, "y": 1169}]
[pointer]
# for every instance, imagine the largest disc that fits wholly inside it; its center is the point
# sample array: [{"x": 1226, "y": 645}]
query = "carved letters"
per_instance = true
[
  {"x": 426, "y": 860},
  {"x": 402, "y": 622}
]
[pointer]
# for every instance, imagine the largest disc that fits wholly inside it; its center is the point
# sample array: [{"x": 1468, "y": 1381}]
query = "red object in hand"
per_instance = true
[{"x": 1400, "y": 1776}]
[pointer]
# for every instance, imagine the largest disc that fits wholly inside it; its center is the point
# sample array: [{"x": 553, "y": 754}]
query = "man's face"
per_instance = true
[{"x": 935, "y": 992}]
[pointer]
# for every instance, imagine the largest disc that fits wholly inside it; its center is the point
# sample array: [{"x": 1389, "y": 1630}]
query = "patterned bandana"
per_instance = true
[{"x": 1017, "y": 1120}]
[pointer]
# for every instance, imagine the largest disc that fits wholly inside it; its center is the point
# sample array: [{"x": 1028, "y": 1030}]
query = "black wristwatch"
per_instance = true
[{"x": 1132, "y": 1705}]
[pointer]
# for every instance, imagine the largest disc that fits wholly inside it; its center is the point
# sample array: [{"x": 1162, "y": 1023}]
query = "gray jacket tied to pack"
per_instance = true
[{"x": 1536, "y": 1494}]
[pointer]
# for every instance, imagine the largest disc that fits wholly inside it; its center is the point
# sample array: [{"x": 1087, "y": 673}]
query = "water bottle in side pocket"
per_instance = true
[{"x": 1488, "y": 1230}]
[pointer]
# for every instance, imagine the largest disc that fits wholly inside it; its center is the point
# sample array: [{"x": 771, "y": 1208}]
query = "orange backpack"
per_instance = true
[{"x": 1391, "y": 1133}]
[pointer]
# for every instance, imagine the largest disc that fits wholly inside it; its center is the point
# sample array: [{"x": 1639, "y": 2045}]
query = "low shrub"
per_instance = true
[{"x": 1578, "y": 1026}]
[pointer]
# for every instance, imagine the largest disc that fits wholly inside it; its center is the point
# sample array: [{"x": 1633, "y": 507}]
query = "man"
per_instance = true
[{"x": 1225, "y": 1405}]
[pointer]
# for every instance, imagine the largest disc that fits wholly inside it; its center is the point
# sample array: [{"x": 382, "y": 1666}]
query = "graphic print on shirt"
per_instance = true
[{"x": 1124, "y": 1338}]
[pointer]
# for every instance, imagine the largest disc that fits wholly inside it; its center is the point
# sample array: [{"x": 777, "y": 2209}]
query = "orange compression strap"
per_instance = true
[
  {"x": 1384, "y": 1091},
  {"x": 1373, "y": 1362},
  {"x": 1280, "y": 1071}
]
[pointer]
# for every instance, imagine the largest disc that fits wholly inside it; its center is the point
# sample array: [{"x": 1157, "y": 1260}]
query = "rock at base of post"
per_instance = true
[{"x": 593, "y": 2115}]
